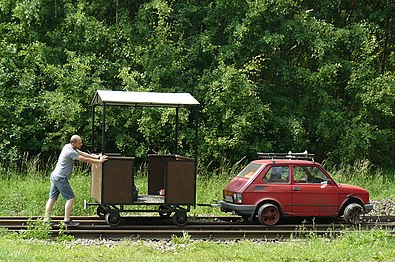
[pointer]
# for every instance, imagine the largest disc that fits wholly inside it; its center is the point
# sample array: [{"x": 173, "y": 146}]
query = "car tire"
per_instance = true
[
  {"x": 353, "y": 213},
  {"x": 268, "y": 214}
]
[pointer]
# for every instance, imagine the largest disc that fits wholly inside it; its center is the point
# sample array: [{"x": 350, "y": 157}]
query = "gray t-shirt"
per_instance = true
[{"x": 65, "y": 163}]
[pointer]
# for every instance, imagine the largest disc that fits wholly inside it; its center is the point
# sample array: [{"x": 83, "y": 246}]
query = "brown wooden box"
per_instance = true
[
  {"x": 176, "y": 175},
  {"x": 180, "y": 182},
  {"x": 112, "y": 181}
]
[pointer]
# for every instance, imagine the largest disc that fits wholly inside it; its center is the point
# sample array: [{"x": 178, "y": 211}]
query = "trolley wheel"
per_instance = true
[
  {"x": 164, "y": 214},
  {"x": 180, "y": 218},
  {"x": 268, "y": 214},
  {"x": 353, "y": 213},
  {"x": 113, "y": 218},
  {"x": 101, "y": 211}
]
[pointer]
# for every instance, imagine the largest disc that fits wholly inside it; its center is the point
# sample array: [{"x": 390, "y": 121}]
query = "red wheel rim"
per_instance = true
[{"x": 270, "y": 215}]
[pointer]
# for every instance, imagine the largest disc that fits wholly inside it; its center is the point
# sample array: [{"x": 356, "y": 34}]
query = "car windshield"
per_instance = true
[{"x": 249, "y": 170}]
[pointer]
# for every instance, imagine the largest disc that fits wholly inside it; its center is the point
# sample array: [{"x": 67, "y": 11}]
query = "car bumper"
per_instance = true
[
  {"x": 238, "y": 209},
  {"x": 368, "y": 208}
]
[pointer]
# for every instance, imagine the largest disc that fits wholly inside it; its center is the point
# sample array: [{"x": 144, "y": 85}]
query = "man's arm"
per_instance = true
[
  {"x": 87, "y": 155},
  {"x": 91, "y": 158}
]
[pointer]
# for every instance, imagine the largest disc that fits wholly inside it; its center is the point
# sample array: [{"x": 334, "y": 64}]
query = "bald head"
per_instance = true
[
  {"x": 76, "y": 141},
  {"x": 75, "y": 138}
]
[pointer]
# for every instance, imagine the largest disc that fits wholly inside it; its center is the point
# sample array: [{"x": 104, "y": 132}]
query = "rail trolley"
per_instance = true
[{"x": 171, "y": 177}]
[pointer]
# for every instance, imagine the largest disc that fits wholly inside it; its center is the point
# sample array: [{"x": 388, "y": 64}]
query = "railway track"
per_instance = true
[{"x": 199, "y": 227}]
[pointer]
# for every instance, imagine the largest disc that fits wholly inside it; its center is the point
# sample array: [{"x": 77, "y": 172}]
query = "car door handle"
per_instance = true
[{"x": 297, "y": 188}]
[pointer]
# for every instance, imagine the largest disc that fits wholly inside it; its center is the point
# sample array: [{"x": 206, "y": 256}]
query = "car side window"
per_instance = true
[
  {"x": 277, "y": 175},
  {"x": 300, "y": 175},
  {"x": 308, "y": 174}
]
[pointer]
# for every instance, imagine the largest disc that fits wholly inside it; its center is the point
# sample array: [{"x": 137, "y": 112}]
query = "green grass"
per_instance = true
[
  {"x": 376, "y": 245},
  {"x": 378, "y": 181}
]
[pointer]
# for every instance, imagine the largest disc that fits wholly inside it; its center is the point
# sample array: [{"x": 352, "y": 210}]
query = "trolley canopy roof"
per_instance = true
[{"x": 143, "y": 98}]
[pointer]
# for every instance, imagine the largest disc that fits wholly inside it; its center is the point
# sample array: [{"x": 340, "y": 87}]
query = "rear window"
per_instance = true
[{"x": 249, "y": 170}]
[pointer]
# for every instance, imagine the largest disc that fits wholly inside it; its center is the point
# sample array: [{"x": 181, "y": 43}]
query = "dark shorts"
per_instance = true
[{"x": 60, "y": 185}]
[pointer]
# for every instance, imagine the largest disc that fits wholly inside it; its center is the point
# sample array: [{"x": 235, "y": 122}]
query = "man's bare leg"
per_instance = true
[
  {"x": 48, "y": 208},
  {"x": 67, "y": 209}
]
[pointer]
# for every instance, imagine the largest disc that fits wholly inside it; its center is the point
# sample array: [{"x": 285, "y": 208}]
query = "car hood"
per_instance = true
[
  {"x": 353, "y": 189},
  {"x": 236, "y": 184}
]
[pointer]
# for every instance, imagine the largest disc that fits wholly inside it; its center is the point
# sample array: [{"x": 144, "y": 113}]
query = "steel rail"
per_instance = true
[{"x": 199, "y": 228}]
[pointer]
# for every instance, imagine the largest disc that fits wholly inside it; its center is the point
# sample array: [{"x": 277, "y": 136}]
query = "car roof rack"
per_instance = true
[{"x": 297, "y": 156}]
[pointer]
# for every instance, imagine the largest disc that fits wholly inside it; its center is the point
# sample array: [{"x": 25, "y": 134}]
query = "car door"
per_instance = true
[
  {"x": 274, "y": 183},
  {"x": 313, "y": 192}
]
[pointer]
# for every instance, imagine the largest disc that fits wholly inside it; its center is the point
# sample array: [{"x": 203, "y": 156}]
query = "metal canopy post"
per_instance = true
[
  {"x": 103, "y": 130},
  {"x": 176, "y": 138},
  {"x": 196, "y": 111},
  {"x": 93, "y": 128}
]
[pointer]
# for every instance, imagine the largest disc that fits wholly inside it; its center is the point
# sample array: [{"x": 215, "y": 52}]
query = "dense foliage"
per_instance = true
[{"x": 270, "y": 75}]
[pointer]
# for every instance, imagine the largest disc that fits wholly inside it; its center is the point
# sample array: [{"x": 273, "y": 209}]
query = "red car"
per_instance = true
[{"x": 291, "y": 184}]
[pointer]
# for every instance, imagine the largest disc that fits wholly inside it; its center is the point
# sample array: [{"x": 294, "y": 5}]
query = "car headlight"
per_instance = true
[{"x": 237, "y": 198}]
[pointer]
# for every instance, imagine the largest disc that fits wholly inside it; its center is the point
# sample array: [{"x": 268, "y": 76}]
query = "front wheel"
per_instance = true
[
  {"x": 268, "y": 214},
  {"x": 180, "y": 218},
  {"x": 113, "y": 218},
  {"x": 353, "y": 213}
]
